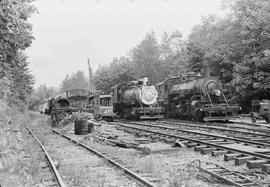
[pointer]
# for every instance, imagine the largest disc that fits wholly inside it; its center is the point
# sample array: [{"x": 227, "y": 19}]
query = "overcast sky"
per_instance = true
[{"x": 67, "y": 32}]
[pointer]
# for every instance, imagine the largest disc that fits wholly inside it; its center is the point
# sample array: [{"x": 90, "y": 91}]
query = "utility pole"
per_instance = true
[{"x": 91, "y": 78}]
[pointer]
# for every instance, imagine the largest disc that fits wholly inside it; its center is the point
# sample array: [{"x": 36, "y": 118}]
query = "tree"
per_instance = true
[
  {"x": 15, "y": 36},
  {"x": 119, "y": 71},
  {"x": 172, "y": 56},
  {"x": 77, "y": 80},
  {"x": 251, "y": 74},
  {"x": 146, "y": 58},
  {"x": 40, "y": 95}
]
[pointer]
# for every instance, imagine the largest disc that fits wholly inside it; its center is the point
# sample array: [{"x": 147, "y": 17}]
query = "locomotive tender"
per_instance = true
[
  {"x": 194, "y": 97},
  {"x": 137, "y": 99}
]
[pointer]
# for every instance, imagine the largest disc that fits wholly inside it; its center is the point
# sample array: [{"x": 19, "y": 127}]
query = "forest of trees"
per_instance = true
[
  {"x": 16, "y": 81},
  {"x": 236, "y": 48},
  {"x": 77, "y": 80}
]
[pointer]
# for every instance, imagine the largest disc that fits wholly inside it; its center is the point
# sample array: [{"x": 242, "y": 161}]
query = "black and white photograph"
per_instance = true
[{"x": 134, "y": 93}]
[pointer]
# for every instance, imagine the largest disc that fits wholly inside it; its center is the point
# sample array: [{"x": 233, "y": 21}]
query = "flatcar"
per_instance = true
[
  {"x": 194, "y": 97},
  {"x": 101, "y": 106},
  {"x": 137, "y": 99}
]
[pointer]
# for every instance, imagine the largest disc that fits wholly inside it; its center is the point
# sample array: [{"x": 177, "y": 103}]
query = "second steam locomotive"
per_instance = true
[{"x": 198, "y": 98}]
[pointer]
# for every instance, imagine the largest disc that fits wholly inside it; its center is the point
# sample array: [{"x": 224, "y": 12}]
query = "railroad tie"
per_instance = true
[
  {"x": 190, "y": 145},
  {"x": 200, "y": 147},
  {"x": 219, "y": 152},
  {"x": 242, "y": 160},
  {"x": 231, "y": 156},
  {"x": 266, "y": 168},
  {"x": 256, "y": 163},
  {"x": 207, "y": 150}
]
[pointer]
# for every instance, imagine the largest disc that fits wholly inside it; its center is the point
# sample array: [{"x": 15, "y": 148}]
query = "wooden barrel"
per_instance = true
[
  {"x": 81, "y": 127},
  {"x": 90, "y": 127}
]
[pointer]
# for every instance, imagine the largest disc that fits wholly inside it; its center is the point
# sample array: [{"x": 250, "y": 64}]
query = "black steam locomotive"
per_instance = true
[
  {"x": 137, "y": 100},
  {"x": 194, "y": 97}
]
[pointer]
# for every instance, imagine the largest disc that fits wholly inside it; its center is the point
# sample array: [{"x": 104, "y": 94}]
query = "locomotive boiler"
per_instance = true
[
  {"x": 197, "y": 98},
  {"x": 137, "y": 99}
]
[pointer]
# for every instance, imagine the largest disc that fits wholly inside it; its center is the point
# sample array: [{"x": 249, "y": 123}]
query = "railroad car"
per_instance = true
[
  {"x": 260, "y": 109},
  {"x": 78, "y": 99},
  {"x": 194, "y": 97},
  {"x": 137, "y": 99},
  {"x": 101, "y": 106}
]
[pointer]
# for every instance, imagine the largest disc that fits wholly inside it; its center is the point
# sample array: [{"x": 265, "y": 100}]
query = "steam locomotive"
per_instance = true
[
  {"x": 137, "y": 100},
  {"x": 194, "y": 97}
]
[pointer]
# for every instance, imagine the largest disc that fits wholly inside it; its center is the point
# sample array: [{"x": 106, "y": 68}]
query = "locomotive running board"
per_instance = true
[
  {"x": 220, "y": 118},
  {"x": 152, "y": 117}
]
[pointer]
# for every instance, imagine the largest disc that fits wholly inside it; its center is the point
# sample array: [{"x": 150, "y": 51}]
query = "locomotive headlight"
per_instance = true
[{"x": 217, "y": 92}]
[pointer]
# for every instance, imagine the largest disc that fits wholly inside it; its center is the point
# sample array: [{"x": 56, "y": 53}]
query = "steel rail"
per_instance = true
[
  {"x": 51, "y": 163},
  {"x": 258, "y": 155},
  {"x": 205, "y": 134},
  {"x": 220, "y": 176},
  {"x": 230, "y": 122},
  {"x": 216, "y": 128},
  {"x": 129, "y": 173}
]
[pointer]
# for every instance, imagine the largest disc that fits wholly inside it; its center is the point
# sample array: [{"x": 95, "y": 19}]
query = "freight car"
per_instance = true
[
  {"x": 137, "y": 99},
  {"x": 194, "y": 97},
  {"x": 101, "y": 106}
]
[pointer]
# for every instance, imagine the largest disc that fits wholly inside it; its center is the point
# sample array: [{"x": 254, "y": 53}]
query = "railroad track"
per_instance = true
[
  {"x": 57, "y": 179},
  {"x": 137, "y": 179},
  {"x": 229, "y": 125},
  {"x": 253, "y": 153},
  {"x": 262, "y": 137},
  {"x": 255, "y": 139}
]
